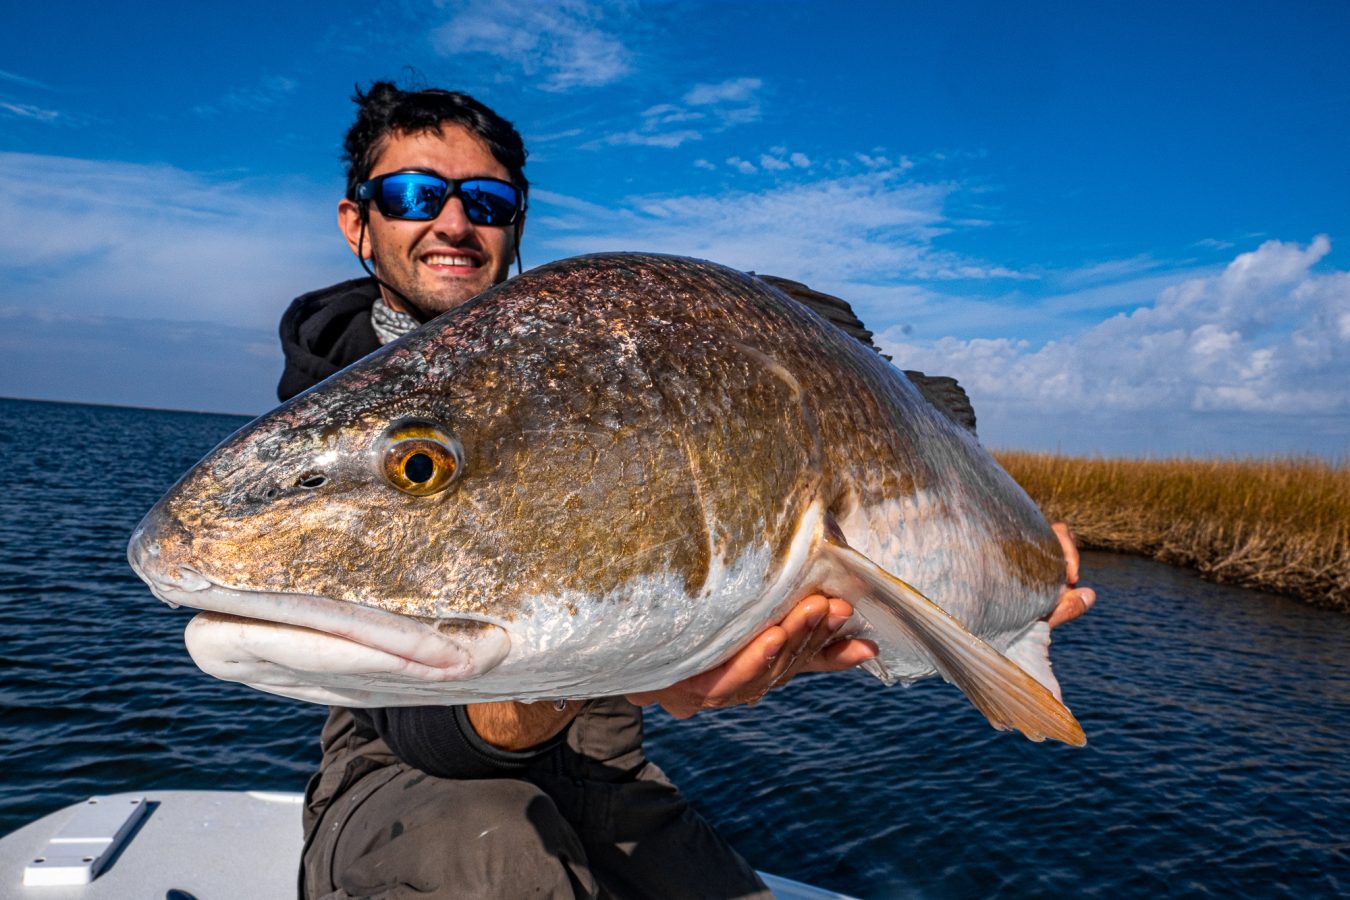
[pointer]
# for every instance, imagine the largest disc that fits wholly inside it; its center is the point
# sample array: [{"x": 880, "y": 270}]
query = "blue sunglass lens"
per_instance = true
[
  {"x": 488, "y": 202},
  {"x": 412, "y": 196}
]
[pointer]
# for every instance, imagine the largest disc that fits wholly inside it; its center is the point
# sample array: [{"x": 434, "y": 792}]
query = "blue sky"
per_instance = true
[{"x": 1124, "y": 227}]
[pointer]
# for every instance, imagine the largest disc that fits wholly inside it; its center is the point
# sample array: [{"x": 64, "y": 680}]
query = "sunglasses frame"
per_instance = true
[{"x": 371, "y": 190}]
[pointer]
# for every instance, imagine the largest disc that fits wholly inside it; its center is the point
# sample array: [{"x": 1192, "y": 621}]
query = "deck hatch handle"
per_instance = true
[{"x": 85, "y": 844}]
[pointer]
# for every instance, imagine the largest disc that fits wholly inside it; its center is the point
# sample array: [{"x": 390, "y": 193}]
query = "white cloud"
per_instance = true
[
  {"x": 1265, "y": 337},
  {"x": 800, "y": 160},
  {"x": 268, "y": 92},
  {"x": 1110, "y": 270},
  {"x": 28, "y": 111},
  {"x": 844, "y": 235},
  {"x": 718, "y": 107},
  {"x": 114, "y": 238},
  {"x": 744, "y": 166},
  {"x": 735, "y": 90},
  {"x": 560, "y": 44},
  {"x": 731, "y": 103},
  {"x": 667, "y": 139},
  {"x": 22, "y": 80},
  {"x": 654, "y": 129},
  {"x": 773, "y": 163},
  {"x": 669, "y": 113},
  {"x": 704, "y": 164}
]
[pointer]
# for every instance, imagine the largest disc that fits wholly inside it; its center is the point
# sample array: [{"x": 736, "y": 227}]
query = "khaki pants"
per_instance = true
[{"x": 593, "y": 819}]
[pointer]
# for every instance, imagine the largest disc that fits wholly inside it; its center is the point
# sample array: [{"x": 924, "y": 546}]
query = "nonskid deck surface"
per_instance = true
[{"x": 205, "y": 845}]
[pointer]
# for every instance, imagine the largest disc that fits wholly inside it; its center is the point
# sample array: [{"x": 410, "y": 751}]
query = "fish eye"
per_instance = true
[{"x": 420, "y": 458}]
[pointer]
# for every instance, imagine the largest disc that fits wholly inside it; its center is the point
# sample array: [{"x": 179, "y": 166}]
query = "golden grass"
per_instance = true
[{"x": 1280, "y": 524}]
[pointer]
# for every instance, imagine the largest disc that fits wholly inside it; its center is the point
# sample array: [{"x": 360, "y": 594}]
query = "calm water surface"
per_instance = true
[{"x": 1218, "y": 761}]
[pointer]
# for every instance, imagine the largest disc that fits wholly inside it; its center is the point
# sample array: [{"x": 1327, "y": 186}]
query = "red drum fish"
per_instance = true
[{"x": 601, "y": 477}]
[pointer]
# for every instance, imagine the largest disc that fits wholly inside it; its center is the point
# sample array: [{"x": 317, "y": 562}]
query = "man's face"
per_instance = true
[{"x": 438, "y": 263}]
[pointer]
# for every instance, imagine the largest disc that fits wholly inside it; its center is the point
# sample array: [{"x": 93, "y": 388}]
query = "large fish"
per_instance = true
[{"x": 598, "y": 478}]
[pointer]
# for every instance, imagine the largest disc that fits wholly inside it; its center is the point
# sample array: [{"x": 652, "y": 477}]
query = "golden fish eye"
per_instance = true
[{"x": 420, "y": 459}]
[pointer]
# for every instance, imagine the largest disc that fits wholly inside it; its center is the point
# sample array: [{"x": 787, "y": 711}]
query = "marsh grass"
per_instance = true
[{"x": 1280, "y": 524}]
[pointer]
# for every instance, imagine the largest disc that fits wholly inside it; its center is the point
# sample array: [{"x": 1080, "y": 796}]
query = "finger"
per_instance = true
[
  {"x": 1072, "y": 604},
  {"x": 672, "y": 702},
  {"x": 820, "y": 636},
  {"x": 679, "y": 708},
  {"x": 746, "y": 673},
  {"x": 1070, "y": 548},
  {"x": 800, "y": 625},
  {"x": 840, "y": 612},
  {"x": 842, "y": 655}
]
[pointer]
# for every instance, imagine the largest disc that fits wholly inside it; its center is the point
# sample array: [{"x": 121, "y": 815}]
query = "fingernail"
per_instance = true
[
  {"x": 1088, "y": 596},
  {"x": 773, "y": 651},
  {"x": 836, "y": 622},
  {"x": 813, "y": 621}
]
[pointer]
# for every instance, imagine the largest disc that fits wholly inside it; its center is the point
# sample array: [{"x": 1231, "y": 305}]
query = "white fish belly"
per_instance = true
[{"x": 650, "y": 634}]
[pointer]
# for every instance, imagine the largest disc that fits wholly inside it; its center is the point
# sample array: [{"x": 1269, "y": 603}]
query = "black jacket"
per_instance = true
[{"x": 325, "y": 331}]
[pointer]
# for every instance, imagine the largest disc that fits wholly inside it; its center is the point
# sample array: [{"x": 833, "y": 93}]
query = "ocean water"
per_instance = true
[{"x": 1218, "y": 761}]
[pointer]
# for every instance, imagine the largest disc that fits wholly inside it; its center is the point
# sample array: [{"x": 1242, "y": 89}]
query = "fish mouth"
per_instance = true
[{"x": 309, "y": 646}]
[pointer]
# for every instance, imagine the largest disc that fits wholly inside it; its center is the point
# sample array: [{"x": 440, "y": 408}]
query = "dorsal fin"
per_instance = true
[{"x": 943, "y": 392}]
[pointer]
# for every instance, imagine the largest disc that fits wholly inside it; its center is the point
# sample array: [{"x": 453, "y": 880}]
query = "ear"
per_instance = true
[{"x": 349, "y": 220}]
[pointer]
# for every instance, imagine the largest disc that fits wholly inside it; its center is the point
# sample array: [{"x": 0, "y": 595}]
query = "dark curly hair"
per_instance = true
[{"x": 386, "y": 109}]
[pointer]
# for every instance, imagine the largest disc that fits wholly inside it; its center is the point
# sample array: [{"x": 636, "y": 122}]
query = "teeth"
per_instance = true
[{"x": 444, "y": 259}]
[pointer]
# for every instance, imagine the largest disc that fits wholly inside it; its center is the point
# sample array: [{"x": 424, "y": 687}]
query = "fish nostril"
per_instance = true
[
  {"x": 271, "y": 493},
  {"x": 310, "y": 482}
]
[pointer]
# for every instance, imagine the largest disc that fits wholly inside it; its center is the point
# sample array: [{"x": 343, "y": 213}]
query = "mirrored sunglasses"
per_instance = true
[{"x": 420, "y": 196}]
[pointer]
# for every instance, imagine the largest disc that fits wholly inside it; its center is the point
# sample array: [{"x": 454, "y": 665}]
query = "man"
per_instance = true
[{"x": 497, "y": 799}]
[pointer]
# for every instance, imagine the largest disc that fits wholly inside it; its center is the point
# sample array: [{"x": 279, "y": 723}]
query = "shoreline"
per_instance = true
[{"x": 1280, "y": 525}]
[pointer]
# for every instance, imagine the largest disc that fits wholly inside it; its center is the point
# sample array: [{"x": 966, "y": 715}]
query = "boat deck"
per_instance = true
[{"x": 182, "y": 845}]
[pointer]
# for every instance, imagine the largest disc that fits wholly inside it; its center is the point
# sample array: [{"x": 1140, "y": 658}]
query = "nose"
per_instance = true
[{"x": 453, "y": 223}]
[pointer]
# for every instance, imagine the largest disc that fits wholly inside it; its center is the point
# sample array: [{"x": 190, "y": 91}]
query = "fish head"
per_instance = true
[{"x": 330, "y": 535}]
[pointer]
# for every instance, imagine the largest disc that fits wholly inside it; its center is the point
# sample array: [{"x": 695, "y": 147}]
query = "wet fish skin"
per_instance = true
[{"x": 656, "y": 458}]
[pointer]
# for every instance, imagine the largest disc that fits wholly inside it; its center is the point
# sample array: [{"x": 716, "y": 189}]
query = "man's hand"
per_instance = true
[
  {"x": 800, "y": 643},
  {"x": 1073, "y": 600}
]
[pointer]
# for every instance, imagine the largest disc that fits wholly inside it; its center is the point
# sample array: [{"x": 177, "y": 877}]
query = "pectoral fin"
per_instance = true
[{"x": 999, "y": 688}]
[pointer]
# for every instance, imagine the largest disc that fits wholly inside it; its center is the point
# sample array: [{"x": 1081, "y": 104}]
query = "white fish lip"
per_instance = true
[
  {"x": 418, "y": 650},
  {"x": 432, "y": 654}
]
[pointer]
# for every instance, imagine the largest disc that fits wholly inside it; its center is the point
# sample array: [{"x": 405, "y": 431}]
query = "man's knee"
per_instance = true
[{"x": 437, "y": 837}]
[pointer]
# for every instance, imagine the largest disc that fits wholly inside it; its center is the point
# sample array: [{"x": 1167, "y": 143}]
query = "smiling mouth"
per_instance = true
[{"x": 451, "y": 259}]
